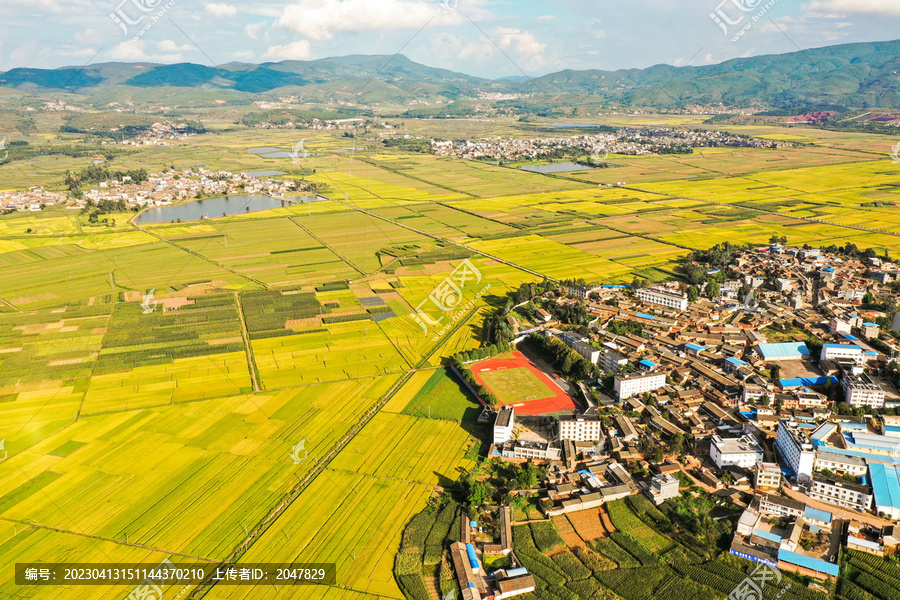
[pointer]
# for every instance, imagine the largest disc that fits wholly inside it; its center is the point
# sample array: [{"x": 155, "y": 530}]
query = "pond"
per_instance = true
[
  {"x": 211, "y": 208},
  {"x": 558, "y": 167}
]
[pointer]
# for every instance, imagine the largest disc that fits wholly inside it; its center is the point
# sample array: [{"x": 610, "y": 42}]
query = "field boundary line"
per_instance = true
[
  {"x": 105, "y": 539},
  {"x": 324, "y": 243},
  {"x": 251, "y": 360}
]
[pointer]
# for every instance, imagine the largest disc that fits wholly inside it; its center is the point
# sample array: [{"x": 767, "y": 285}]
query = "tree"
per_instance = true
[
  {"x": 764, "y": 400},
  {"x": 678, "y": 444},
  {"x": 713, "y": 290},
  {"x": 693, "y": 293},
  {"x": 479, "y": 494},
  {"x": 776, "y": 372}
]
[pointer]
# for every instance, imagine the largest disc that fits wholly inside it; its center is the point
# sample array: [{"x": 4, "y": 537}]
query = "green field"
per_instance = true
[{"x": 514, "y": 385}]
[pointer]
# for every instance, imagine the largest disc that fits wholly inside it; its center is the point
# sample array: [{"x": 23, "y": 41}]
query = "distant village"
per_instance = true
[
  {"x": 770, "y": 387},
  {"x": 158, "y": 190},
  {"x": 628, "y": 141}
]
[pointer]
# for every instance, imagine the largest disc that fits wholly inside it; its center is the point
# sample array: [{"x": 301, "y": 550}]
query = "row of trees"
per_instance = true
[{"x": 566, "y": 360}]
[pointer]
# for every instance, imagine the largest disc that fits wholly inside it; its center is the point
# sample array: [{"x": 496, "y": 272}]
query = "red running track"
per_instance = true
[{"x": 559, "y": 403}]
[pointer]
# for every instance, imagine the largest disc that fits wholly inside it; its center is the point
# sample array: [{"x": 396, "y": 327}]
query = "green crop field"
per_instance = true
[{"x": 513, "y": 385}]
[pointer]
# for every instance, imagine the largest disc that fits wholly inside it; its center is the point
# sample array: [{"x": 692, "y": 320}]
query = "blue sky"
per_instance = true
[{"x": 479, "y": 37}]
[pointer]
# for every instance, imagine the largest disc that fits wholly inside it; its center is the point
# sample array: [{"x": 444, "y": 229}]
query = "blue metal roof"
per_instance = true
[
  {"x": 473, "y": 559},
  {"x": 813, "y": 564},
  {"x": 516, "y": 572},
  {"x": 885, "y": 484},
  {"x": 867, "y": 324},
  {"x": 647, "y": 363},
  {"x": 768, "y": 535},
  {"x": 694, "y": 347},
  {"x": 847, "y": 336},
  {"x": 782, "y": 350},
  {"x": 847, "y": 346},
  {"x": 645, "y": 316},
  {"x": 818, "y": 515},
  {"x": 801, "y": 381},
  {"x": 735, "y": 361}
]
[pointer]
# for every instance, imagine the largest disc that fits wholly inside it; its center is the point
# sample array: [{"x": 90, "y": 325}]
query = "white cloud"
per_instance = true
[
  {"x": 321, "y": 19},
  {"x": 243, "y": 55},
  {"x": 298, "y": 50},
  {"x": 221, "y": 10},
  {"x": 139, "y": 50},
  {"x": 170, "y": 46},
  {"x": 252, "y": 29},
  {"x": 836, "y": 8},
  {"x": 522, "y": 47}
]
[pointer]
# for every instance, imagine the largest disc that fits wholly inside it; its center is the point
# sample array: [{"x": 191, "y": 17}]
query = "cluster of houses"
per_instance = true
[
  {"x": 782, "y": 405},
  {"x": 625, "y": 141}
]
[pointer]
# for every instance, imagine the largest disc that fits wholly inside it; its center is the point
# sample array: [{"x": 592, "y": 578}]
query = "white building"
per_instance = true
[
  {"x": 630, "y": 385},
  {"x": 744, "y": 451},
  {"x": 845, "y": 351},
  {"x": 580, "y": 428},
  {"x": 663, "y": 297},
  {"x": 841, "y": 493},
  {"x": 768, "y": 476},
  {"x": 795, "y": 448},
  {"x": 840, "y": 463},
  {"x": 503, "y": 425},
  {"x": 859, "y": 390},
  {"x": 663, "y": 487}
]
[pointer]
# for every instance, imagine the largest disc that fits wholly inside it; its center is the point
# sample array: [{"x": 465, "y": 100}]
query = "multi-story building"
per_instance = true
[
  {"x": 663, "y": 297},
  {"x": 860, "y": 390},
  {"x": 842, "y": 493},
  {"x": 743, "y": 452},
  {"x": 767, "y": 476},
  {"x": 840, "y": 463},
  {"x": 522, "y": 450},
  {"x": 630, "y": 385},
  {"x": 795, "y": 448},
  {"x": 886, "y": 485},
  {"x": 580, "y": 428},
  {"x": 780, "y": 506},
  {"x": 611, "y": 361},
  {"x": 843, "y": 351},
  {"x": 503, "y": 425},
  {"x": 663, "y": 487},
  {"x": 580, "y": 346}
]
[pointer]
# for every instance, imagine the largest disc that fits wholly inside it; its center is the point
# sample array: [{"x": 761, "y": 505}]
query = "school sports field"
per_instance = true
[{"x": 517, "y": 382}]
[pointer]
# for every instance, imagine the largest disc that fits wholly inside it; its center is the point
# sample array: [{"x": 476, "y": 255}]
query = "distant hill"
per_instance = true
[{"x": 851, "y": 75}]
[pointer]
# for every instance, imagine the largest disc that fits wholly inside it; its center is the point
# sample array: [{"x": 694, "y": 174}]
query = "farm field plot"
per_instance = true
[
  {"x": 587, "y": 524},
  {"x": 357, "y": 236},
  {"x": 405, "y": 447},
  {"x": 625, "y": 520},
  {"x": 32, "y": 282},
  {"x": 553, "y": 259},
  {"x": 352, "y": 520},
  {"x": 517, "y": 382},
  {"x": 164, "y": 356},
  {"x": 340, "y": 351},
  {"x": 437, "y": 394},
  {"x": 276, "y": 251},
  {"x": 475, "y": 178},
  {"x": 25, "y": 543},
  {"x": 184, "y": 478}
]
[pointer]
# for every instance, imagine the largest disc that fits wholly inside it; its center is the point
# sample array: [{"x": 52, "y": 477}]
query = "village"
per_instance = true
[
  {"x": 636, "y": 142},
  {"x": 769, "y": 388}
]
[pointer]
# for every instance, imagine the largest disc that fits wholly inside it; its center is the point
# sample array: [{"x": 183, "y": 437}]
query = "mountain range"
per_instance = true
[{"x": 857, "y": 75}]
